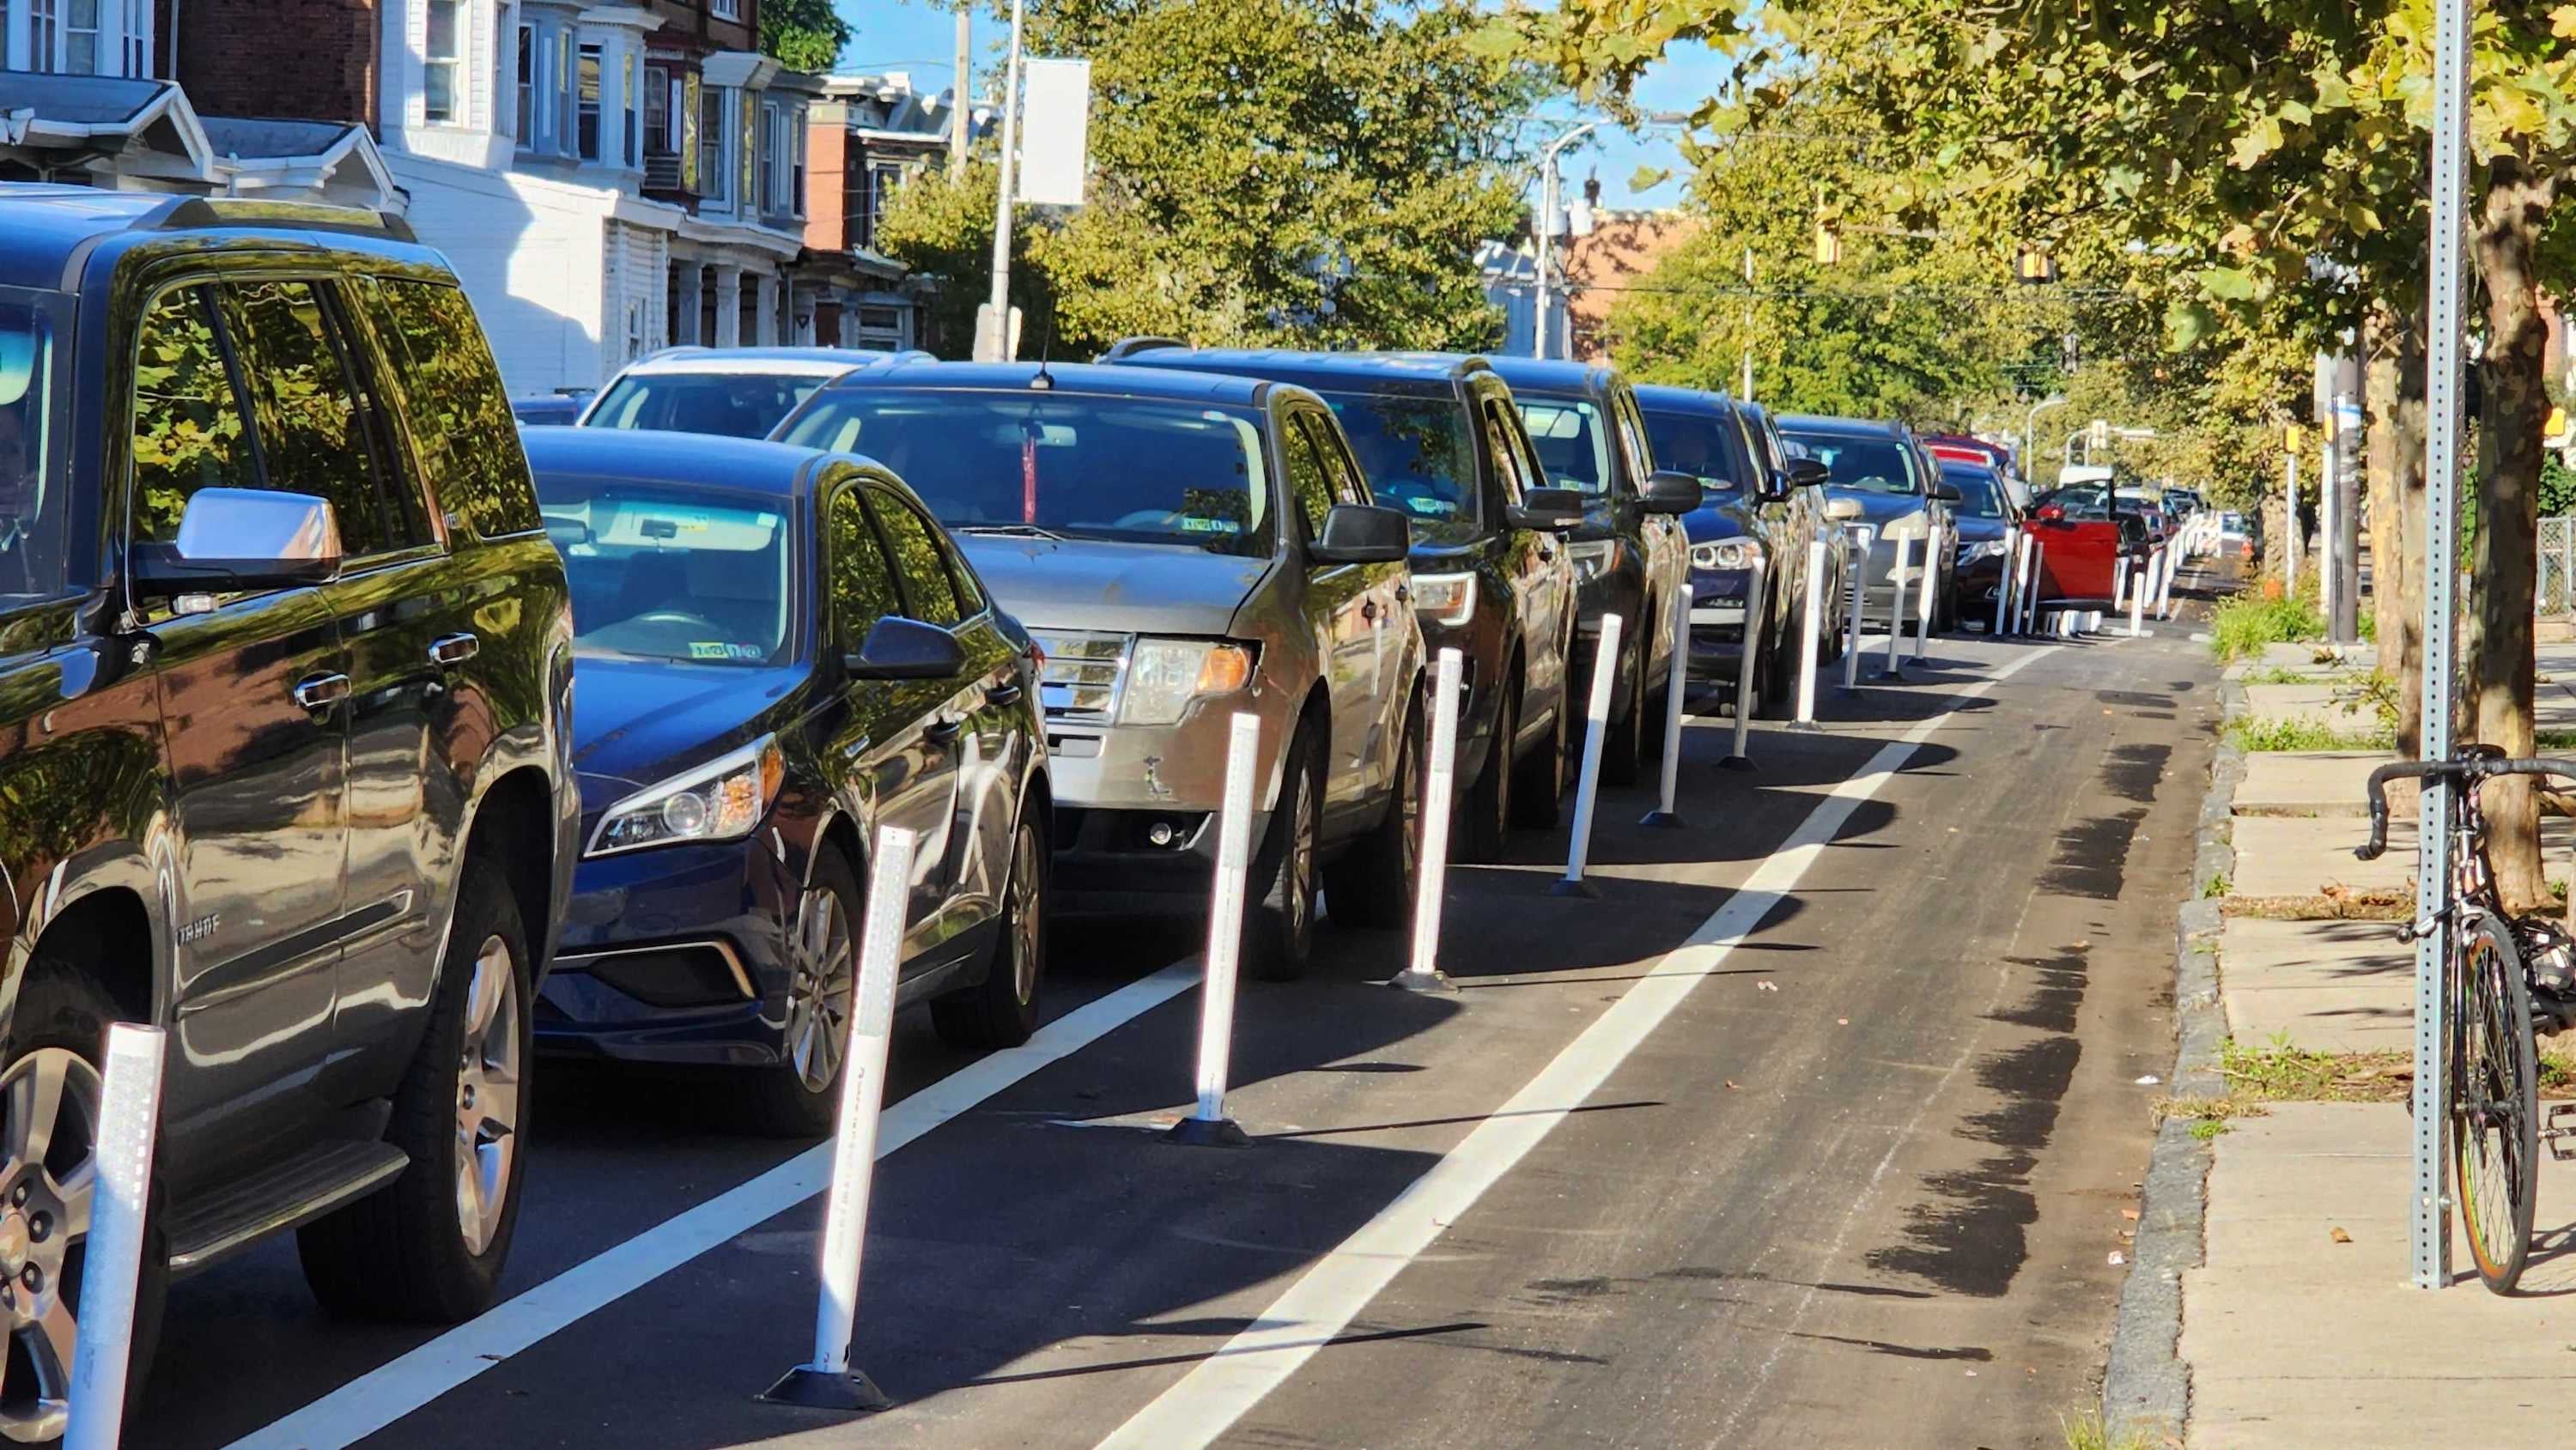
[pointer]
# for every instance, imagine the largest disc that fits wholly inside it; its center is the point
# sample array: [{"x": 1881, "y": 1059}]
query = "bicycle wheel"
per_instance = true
[{"x": 2495, "y": 1109}]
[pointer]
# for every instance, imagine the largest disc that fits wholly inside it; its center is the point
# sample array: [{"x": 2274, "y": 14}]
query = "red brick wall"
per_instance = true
[
  {"x": 827, "y": 170},
  {"x": 305, "y": 60}
]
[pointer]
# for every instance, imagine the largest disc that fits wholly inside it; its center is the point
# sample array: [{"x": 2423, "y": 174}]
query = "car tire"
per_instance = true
[
  {"x": 1371, "y": 885},
  {"x": 1279, "y": 921},
  {"x": 1778, "y": 671},
  {"x": 410, "y": 1250},
  {"x": 1002, "y": 1010},
  {"x": 799, "y": 1096},
  {"x": 1623, "y": 748},
  {"x": 1490, "y": 807},
  {"x": 1538, "y": 796},
  {"x": 59, "y": 1030}
]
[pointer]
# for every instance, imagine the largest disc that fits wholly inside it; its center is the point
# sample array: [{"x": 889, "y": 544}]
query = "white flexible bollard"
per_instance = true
[
  {"x": 2164, "y": 589},
  {"x": 1932, "y": 546},
  {"x": 1896, "y": 611},
  {"x": 829, "y": 1381},
  {"x": 2092, "y": 621},
  {"x": 2137, "y": 610},
  {"x": 1423, "y": 973},
  {"x": 2120, "y": 582},
  {"x": 1811, "y": 625},
  {"x": 1856, "y": 542},
  {"x": 2031, "y": 586},
  {"x": 1665, "y": 814},
  {"x": 112, "y": 1258},
  {"x": 1587, "y": 779},
  {"x": 2007, "y": 582},
  {"x": 1207, "y": 1125},
  {"x": 1748, "y": 663}
]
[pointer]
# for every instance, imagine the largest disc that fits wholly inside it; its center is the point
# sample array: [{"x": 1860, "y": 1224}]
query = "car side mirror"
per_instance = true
[
  {"x": 1363, "y": 534},
  {"x": 1843, "y": 510},
  {"x": 1946, "y": 492},
  {"x": 906, "y": 649},
  {"x": 1553, "y": 509},
  {"x": 1805, "y": 473},
  {"x": 233, "y": 540},
  {"x": 2050, "y": 513},
  {"x": 1671, "y": 491}
]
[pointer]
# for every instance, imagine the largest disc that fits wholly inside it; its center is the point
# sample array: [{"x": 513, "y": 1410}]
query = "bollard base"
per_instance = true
[
  {"x": 1410, "y": 980},
  {"x": 1207, "y": 1133},
  {"x": 1887, "y": 674},
  {"x": 1742, "y": 762},
  {"x": 1664, "y": 820},
  {"x": 1804, "y": 727},
  {"x": 1579, "y": 890},
  {"x": 817, "y": 1389}
]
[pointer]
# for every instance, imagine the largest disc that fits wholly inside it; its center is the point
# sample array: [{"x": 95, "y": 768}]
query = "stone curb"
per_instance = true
[{"x": 2146, "y": 1388}]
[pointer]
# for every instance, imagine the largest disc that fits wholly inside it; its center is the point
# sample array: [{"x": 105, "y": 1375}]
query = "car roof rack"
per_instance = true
[
  {"x": 192, "y": 213},
  {"x": 1127, "y": 347}
]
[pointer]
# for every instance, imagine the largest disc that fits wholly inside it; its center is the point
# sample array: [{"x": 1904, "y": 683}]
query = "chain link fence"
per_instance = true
[{"x": 2556, "y": 596}]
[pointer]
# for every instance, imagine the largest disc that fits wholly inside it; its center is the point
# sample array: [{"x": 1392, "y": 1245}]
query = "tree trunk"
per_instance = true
[
  {"x": 2395, "y": 349},
  {"x": 2514, "y": 409}
]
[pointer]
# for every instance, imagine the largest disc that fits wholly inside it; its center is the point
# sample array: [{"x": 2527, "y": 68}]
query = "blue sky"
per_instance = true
[{"x": 903, "y": 35}]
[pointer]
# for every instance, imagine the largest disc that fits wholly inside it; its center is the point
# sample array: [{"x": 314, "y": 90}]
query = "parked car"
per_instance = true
[
  {"x": 739, "y": 392},
  {"x": 780, "y": 654},
  {"x": 285, "y": 694},
  {"x": 1758, "y": 506},
  {"x": 1986, "y": 519},
  {"x": 1630, "y": 555},
  {"x": 2084, "y": 538},
  {"x": 1880, "y": 467},
  {"x": 1441, "y": 440},
  {"x": 1246, "y": 569},
  {"x": 558, "y": 409}
]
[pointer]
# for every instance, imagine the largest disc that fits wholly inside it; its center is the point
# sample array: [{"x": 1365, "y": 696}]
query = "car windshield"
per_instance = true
[
  {"x": 1696, "y": 444},
  {"x": 1872, "y": 465},
  {"x": 672, "y": 573},
  {"x": 1417, "y": 452},
  {"x": 1134, "y": 470},
  {"x": 31, "y": 449},
  {"x": 2079, "y": 501},
  {"x": 1980, "y": 496},
  {"x": 1572, "y": 445},
  {"x": 735, "y": 405}
]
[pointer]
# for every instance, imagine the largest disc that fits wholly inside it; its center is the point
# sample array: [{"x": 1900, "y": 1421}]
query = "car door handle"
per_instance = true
[
  {"x": 454, "y": 649},
  {"x": 1004, "y": 695},
  {"x": 320, "y": 692},
  {"x": 943, "y": 729}
]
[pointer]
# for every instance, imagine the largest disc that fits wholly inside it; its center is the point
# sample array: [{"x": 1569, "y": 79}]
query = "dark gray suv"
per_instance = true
[{"x": 285, "y": 676}]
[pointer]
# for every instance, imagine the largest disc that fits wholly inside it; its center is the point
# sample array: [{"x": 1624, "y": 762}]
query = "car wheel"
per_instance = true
[
  {"x": 1540, "y": 789},
  {"x": 1489, "y": 803},
  {"x": 1279, "y": 922},
  {"x": 430, "y": 1245},
  {"x": 1778, "y": 675},
  {"x": 50, "y": 1097},
  {"x": 1623, "y": 749},
  {"x": 1371, "y": 885},
  {"x": 799, "y": 1096},
  {"x": 1002, "y": 1009}
]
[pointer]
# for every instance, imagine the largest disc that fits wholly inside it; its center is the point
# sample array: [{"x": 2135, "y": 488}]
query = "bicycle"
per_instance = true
[{"x": 2507, "y": 981}]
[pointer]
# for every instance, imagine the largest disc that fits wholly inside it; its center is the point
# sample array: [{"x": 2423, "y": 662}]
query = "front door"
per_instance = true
[
  {"x": 1341, "y": 603},
  {"x": 255, "y": 718}
]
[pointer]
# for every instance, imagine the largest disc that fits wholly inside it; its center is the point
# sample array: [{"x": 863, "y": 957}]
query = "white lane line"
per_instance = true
[
  {"x": 380, "y": 1397},
  {"x": 1315, "y": 1310}
]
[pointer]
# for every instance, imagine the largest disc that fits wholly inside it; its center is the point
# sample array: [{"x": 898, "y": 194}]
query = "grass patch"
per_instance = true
[
  {"x": 2243, "y": 624},
  {"x": 2255, "y": 735},
  {"x": 2216, "y": 885},
  {"x": 2085, "y": 1431},
  {"x": 2288, "y": 675},
  {"x": 2277, "y": 1072},
  {"x": 2547, "y": 741}
]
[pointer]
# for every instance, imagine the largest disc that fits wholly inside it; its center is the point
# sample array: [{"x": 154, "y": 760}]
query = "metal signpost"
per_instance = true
[{"x": 2428, "y": 1233}]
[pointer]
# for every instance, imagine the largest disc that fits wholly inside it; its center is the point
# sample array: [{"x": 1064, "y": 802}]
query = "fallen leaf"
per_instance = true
[
  {"x": 2339, "y": 1236},
  {"x": 1764, "y": 987},
  {"x": 1732, "y": 1085},
  {"x": 2130, "y": 1214},
  {"x": 2117, "y": 1258}
]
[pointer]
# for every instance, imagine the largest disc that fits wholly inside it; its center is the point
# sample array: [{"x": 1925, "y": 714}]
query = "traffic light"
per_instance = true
[{"x": 2034, "y": 266}]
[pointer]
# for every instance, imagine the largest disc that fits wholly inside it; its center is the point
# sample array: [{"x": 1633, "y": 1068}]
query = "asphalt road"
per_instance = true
[{"x": 1815, "y": 1129}]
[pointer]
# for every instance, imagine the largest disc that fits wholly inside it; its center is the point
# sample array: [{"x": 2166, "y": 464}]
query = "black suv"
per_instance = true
[
  {"x": 1441, "y": 440},
  {"x": 285, "y": 679}
]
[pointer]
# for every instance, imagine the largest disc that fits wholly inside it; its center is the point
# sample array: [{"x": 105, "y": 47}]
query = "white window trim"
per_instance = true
[{"x": 460, "y": 85}]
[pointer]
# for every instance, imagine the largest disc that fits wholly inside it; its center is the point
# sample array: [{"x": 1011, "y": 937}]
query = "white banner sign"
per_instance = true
[{"x": 1055, "y": 131}]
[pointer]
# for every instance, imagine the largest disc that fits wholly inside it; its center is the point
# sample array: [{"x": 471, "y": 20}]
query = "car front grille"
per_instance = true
[{"x": 1084, "y": 673}]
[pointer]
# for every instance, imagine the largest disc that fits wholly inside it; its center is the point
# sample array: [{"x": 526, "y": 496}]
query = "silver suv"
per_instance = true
[{"x": 1183, "y": 547}]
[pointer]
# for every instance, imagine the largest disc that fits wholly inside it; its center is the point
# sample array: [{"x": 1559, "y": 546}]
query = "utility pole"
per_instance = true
[
  {"x": 993, "y": 326},
  {"x": 965, "y": 94},
  {"x": 1546, "y": 227}
]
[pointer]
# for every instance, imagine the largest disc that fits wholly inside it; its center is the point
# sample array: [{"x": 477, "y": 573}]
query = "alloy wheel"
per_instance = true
[
  {"x": 50, "y": 1099},
  {"x": 1301, "y": 859},
  {"x": 487, "y": 1095},
  {"x": 820, "y": 993},
  {"x": 1027, "y": 917}
]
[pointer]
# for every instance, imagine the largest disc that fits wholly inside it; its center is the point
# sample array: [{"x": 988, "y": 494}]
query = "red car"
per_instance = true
[{"x": 2082, "y": 539}]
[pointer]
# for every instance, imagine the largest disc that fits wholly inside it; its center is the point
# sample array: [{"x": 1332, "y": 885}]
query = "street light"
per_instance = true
[
  {"x": 1547, "y": 226},
  {"x": 2029, "y": 439}
]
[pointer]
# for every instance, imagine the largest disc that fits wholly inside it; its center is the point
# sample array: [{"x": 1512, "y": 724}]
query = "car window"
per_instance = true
[
  {"x": 31, "y": 443},
  {"x": 305, "y": 405},
  {"x": 1509, "y": 465},
  {"x": 673, "y": 572},
  {"x": 1871, "y": 465},
  {"x": 916, "y": 558},
  {"x": 1573, "y": 444},
  {"x": 734, "y": 405},
  {"x": 1980, "y": 491},
  {"x": 1308, "y": 482},
  {"x": 1348, "y": 485},
  {"x": 451, "y": 395},
  {"x": 1416, "y": 452},
  {"x": 1632, "y": 436},
  {"x": 190, "y": 428},
  {"x": 862, "y": 582},
  {"x": 1706, "y": 446}
]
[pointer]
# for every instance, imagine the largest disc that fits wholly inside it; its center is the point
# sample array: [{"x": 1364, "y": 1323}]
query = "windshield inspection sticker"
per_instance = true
[
  {"x": 1210, "y": 526},
  {"x": 700, "y": 649}
]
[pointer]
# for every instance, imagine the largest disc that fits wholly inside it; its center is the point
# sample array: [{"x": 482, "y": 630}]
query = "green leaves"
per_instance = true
[{"x": 805, "y": 35}]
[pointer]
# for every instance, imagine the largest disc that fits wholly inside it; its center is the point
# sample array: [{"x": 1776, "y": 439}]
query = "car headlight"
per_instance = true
[
  {"x": 1970, "y": 553},
  {"x": 719, "y": 801},
  {"x": 1448, "y": 599},
  {"x": 1594, "y": 557},
  {"x": 1165, "y": 675},
  {"x": 1727, "y": 554}
]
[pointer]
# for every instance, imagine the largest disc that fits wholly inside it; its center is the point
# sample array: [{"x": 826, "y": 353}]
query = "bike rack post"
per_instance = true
[
  {"x": 1747, "y": 663},
  {"x": 1605, "y": 677},
  {"x": 1896, "y": 612},
  {"x": 112, "y": 1261},
  {"x": 1811, "y": 625},
  {"x": 1423, "y": 974},
  {"x": 1932, "y": 544},
  {"x": 1856, "y": 543},
  {"x": 1677, "y": 678},
  {"x": 1208, "y": 1126},
  {"x": 829, "y": 1381}
]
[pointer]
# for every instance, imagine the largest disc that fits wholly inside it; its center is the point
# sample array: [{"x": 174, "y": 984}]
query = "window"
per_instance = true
[
  {"x": 673, "y": 572},
  {"x": 862, "y": 582},
  {"x": 31, "y": 498},
  {"x": 657, "y": 112},
  {"x": 796, "y": 182},
  {"x": 586, "y": 103},
  {"x": 80, "y": 38},
  {"x": 190, "y": 430},
  {"x": 1572, "y": 445},
  {"x": 630, "y": 92},
  {"x": 915, "y": 548},
  {"x": 1510, "y": 466},
  {"x": 712, "y": 183},
  {"x": 884, "y": 178},
  {"x": 725, "y": 9},
  {"x": 452, "y": 398},
  {"x": 304, "y": 403},
  {"x": 746, "y": 132},
  {"x": 562, "y": 101},
  {"x": 769, "y": 135},
  {"x": 44, "y": 32},
  {"x": 1309, "y": 482},
  {"x": 439, "y": 71},
  {"x": 1418, "y": 451},
  {"x": 527, "y": 86},
  {"x": 138, "y": 38}
]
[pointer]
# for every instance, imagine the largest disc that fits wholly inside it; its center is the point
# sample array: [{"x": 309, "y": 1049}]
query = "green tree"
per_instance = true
[{"x": 804, "y": 35}]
